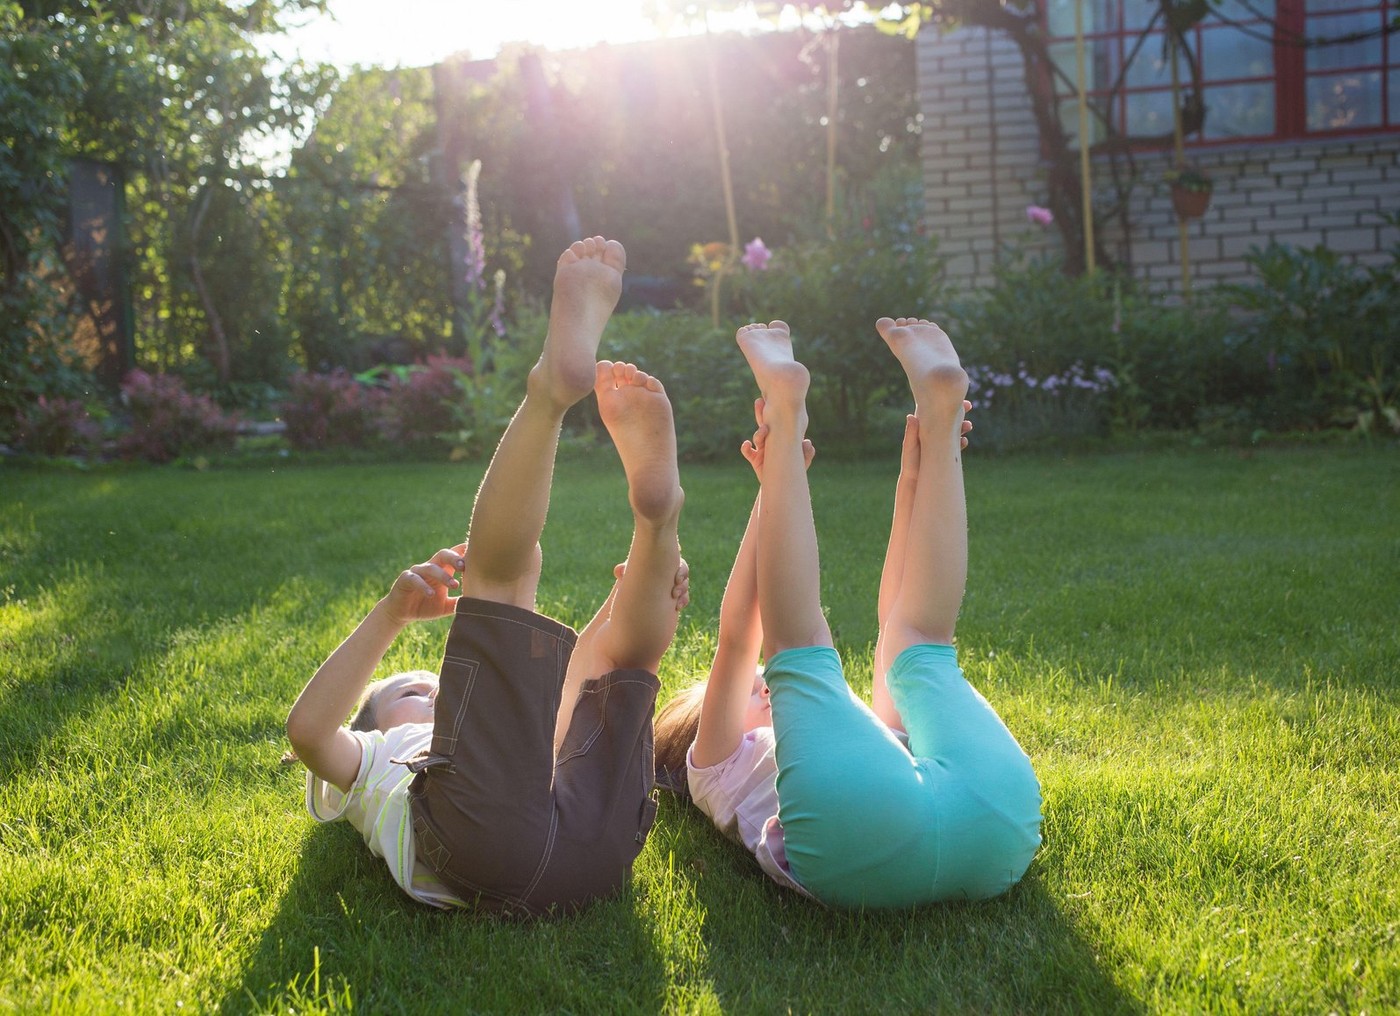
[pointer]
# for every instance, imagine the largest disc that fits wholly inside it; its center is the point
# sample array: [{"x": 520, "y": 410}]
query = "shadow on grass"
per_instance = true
[
  {"x": 768, "y": 950},
  {"x": 344, "y": 930}
]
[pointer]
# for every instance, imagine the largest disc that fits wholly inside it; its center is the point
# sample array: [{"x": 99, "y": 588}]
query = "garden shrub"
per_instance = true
[
  {"x": 1020, "y": 409},
  {"x": 834, "y": 282},
  {"x": 331, "y": 410},
  {"x": 1044, "y": 352},
  {"x": 58, "y": 426},
  {"x": 169, "y": 422},
  {"x": 420, "y": 401},
  {"x": 1320, "y": 334},
  {"x": 710, "y": 387}
]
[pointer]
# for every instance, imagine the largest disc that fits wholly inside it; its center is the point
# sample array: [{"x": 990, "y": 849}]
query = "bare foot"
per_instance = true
[
  {"x": 935, "y": 374},
  {"x": 782, "y": 380},
  {"x": 635, "y": 409},
  {"x": 587, "y": 283}
]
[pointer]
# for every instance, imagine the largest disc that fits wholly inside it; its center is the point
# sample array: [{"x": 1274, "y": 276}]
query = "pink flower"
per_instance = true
[
  {"x": 756, "y": 255},
  {"x": 1040, "y": 216}
]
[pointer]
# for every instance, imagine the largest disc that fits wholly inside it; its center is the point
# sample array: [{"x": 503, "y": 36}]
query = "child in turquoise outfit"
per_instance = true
[{"x": 822, "y": 789}]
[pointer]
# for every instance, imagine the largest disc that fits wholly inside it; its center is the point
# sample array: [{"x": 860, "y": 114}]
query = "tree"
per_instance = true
[
  {"x": 179, "y": 94},
  {"x": 37, "y": 88}
]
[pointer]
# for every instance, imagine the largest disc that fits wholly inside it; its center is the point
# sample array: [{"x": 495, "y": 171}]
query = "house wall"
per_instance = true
[{"x": 982, "y": 167}]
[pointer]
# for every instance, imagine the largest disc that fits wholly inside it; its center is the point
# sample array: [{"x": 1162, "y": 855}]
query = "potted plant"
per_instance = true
[{"x": 1191, "y": 189}]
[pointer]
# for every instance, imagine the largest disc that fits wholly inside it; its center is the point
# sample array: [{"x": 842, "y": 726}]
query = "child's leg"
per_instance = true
[
  {"x": 502, "y": 557},
  {"x": 789, "y": 579},
  {"x": 934, "y": 572},
  {"x": 988, "y": 800},
  {"x": 892, "y": 575},
  {"x": 636, "y": 623}
]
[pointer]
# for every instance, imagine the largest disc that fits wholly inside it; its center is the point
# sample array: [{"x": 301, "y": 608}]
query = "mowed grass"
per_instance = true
[{"x": 1198, "y": 650}]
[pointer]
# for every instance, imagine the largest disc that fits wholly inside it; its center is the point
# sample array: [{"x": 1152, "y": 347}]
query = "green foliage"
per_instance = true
[
  {"x": 834, "y": 282},
  {"x": 1190, "y": 178},
  {"x": 706, "y": 379},
  {"x": 183, "y": 97},
  {"x": 1308, "y": 344},
  {"x": 37, "y": 89},
  {"x": 1322, "y": 332},
  {"x": 490, "y": 388},
  {"x": 365, "y": 269}
]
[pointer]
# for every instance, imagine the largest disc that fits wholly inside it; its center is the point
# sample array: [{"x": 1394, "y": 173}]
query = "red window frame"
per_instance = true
[{"x": 1290, "y": 71}]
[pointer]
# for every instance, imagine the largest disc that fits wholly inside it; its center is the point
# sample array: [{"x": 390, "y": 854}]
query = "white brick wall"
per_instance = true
[{"x": 982, "y": 167}]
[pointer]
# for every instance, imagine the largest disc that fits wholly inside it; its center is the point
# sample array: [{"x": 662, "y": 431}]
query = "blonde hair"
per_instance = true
[
  {"x": 364, "y": 718},
  {"x": 673, "y": 733}
]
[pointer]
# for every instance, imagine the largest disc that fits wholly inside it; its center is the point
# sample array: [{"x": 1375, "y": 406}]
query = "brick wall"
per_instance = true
[{"x": 982, "y": 167}]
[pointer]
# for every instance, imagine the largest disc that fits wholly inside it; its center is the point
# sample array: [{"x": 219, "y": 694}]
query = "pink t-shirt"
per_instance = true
[{"x": 740, "y": 795}]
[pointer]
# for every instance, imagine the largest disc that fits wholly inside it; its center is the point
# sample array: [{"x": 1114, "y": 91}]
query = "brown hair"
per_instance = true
[{"x": 674, "y": 732}]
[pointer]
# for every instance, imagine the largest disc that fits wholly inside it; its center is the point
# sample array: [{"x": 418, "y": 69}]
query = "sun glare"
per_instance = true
[{"x": 422, "y": 32}]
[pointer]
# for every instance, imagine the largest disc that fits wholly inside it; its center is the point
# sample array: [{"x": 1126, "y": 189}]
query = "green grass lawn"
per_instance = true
[{"x": 1200, "y": 652}]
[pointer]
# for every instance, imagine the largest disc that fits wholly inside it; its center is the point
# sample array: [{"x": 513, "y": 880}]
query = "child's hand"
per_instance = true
[
  {"x": 422, "y": 592},
  {"x": 680, "y": 585},
  {"x": 753, "y": 449}
]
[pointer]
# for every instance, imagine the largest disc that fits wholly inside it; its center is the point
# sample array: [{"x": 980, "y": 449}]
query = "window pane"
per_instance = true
[
  {"x": 1149, "y": 113},
  {"x": 1234, "y": 111},
  {"x": 1100, "y": 65},
  {"x": 1321, "y": 6},
  {"x": 1344, "y": 101},
  {"x": 1394, "y": 77},
  {"x": 1137, "y": 14},
  {"x": 1344, "y": 55},
  {"x": 1099, "y": 16},
  {"x": 1150, "y": 68},
  {"x": 1069, "y": 123},
  {"x": 1238, "y": 10},
  {"x": 1229, "y": 53}
]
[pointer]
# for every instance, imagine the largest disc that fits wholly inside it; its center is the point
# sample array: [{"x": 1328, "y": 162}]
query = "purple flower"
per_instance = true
[
  {"x": 1040, "y": 216},
  {"x": 756, "y": 255}
]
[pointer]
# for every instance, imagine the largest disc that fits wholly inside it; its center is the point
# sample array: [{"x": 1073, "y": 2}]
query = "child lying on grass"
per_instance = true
[
  {"x": 787, "y": 760},
  {"x": 518, "y": 779}
]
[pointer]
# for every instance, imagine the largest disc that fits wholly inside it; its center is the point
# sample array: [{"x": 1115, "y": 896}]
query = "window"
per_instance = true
[{"x": 1262, "y": 71}]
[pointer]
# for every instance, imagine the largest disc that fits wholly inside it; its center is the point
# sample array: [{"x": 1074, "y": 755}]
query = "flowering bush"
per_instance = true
[
  {"x": 421, "y": 402},
  {"x": 58, "y": 426},
  {"x": 1016, "y": 408},
  {"x": 331, "y": 410},
  {"x": 985, "y": 383},
  {"x": 168, "y": 422}
]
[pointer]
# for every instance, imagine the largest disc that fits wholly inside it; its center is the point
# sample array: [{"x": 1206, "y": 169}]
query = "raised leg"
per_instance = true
[
  {"x": 789, "y": 571},
  {"x": 508, "y": 516},
  {"x": 892, "y": 574},
  {"x": 932, "y": 573},
  {"x": 636, "y": 623}
]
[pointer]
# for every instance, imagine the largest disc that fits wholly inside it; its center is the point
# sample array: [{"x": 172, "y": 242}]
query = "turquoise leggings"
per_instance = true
[{"x": 868, "y": 823}]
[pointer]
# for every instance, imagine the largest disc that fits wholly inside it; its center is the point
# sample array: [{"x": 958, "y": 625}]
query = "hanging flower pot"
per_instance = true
[{"x": 1191, "y": 190}]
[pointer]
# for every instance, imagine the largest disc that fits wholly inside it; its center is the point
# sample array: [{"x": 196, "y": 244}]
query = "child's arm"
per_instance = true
[
  {"x": 314, "y": 724},
  {"x": 740, "y": 639},
  {"x": 736, "y": 656}
]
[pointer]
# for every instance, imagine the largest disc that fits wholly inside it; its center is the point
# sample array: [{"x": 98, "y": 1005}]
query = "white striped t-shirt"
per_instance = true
[{"x": 377, "y": 805}]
